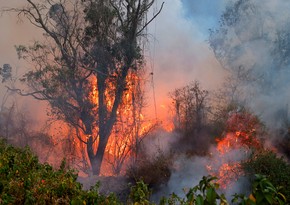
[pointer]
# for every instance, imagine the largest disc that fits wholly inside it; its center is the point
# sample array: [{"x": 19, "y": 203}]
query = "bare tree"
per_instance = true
[
  {"x": 88, "y": 51},
  {"x": 190, "y": 106}
]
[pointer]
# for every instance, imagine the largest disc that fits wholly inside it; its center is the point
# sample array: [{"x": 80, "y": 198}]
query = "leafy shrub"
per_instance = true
[
  {"x": 276, "y": 169},
  {"x": 206, "y": 193},
  {"x": 23, "y": 180},
  {"x": 263, "y": 193},
  {"x": 139, "y": 194},
  {"x": 203, "y": 193}
]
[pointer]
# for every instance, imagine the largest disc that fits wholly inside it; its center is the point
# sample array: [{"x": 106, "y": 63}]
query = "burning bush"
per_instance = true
[
  {"x": 241, "y": 137},
  {"x": 246, "y": 130}
]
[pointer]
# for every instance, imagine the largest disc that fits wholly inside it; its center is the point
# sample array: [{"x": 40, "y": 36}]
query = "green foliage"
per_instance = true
[
  {"x": 208, "y": 191},
  {"x": 140, "y": 194},
  {"x": 23, "y": 180},
  {"x": 264, "y": 192},
  {"x": 273, "y": 167},
  {"x": 205, "y": 193}
]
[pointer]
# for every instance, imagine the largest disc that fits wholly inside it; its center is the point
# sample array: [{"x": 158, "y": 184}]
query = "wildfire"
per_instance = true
[
  {"x": 130, "y": 126},
  {"x": 238, "y": 141},
  {"x": 167, "y": 117}
]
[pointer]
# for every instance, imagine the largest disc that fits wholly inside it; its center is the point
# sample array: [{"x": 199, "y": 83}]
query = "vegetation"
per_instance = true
[
  {"x": 191, "y": 109},
  {"x": 23, "y": 180},
  {"x": 152, "y": 170},
  {"x": 276, "y": 169},
  {"x": 263, "y": 192}
]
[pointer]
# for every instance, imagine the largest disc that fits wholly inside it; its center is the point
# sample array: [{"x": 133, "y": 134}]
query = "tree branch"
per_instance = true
[
  {"x": 33, "y": 94},
  {"x": 147, "y": 23}
]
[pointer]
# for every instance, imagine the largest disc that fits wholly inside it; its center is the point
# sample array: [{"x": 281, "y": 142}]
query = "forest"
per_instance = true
[{"x": 101, "y": 142}]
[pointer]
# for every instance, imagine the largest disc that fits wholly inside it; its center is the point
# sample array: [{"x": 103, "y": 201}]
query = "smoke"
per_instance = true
[
  {"x": 187, "y": 173},
  {"x": 257, "y": 47},
  {"x": 179, "y": 54},
  {"x": 13, "y": 32},
  {"x": 204, "y": 14},
  {"x": 160, "y": 141}
]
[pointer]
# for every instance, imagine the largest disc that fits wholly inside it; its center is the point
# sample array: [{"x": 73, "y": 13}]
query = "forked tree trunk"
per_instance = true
[
  {"x": 97, "y": 159},
  {"x": 106, "y": 123},
  {"x": 106, "y": 120}
]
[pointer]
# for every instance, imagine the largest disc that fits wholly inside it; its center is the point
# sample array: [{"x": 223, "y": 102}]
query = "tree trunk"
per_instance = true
[
  {"x": 97, "y": 159},
  {"x": 96, "y": 165}
]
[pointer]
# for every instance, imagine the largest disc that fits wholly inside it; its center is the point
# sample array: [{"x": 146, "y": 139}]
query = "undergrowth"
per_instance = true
[{"x": 24, "y": 180}]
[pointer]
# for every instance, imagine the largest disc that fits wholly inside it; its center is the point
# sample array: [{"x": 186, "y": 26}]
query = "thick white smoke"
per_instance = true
[{"x": 256, "y": 48}]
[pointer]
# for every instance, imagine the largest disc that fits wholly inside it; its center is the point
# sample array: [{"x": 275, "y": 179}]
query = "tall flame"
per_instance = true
[{"x": 130, "y": 125}]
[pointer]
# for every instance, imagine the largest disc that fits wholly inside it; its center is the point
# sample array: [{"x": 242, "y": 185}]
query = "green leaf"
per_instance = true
[
  {"x": 199, "y": 200},
  {"x": 269, "y": 198},
  {"x": 259, "y": 197},
  {"x": 280, "y": 195},
  {"x": 76, "y": 202},
  {"x": 211, "y": 195},
  {"x": 190, "y": 196}
]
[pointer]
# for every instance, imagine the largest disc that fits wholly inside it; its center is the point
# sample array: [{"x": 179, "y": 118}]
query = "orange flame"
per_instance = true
[
  {"x": 130, "y": 125},
  {"x": 241, "y": 134}
]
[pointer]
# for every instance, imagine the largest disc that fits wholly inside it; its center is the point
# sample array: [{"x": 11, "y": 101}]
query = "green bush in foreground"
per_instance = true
[
  {"x": 276, "y": 169},
  {"x": 205, "y": 193},
  {"x": 23, "y": 180},
  {"x": 263, "y": 193}
]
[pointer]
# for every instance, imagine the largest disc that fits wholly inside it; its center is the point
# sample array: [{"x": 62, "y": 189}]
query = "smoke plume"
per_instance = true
[
  {"x": 255, "y": 48},
  {"x": 258, "y": 46}
]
